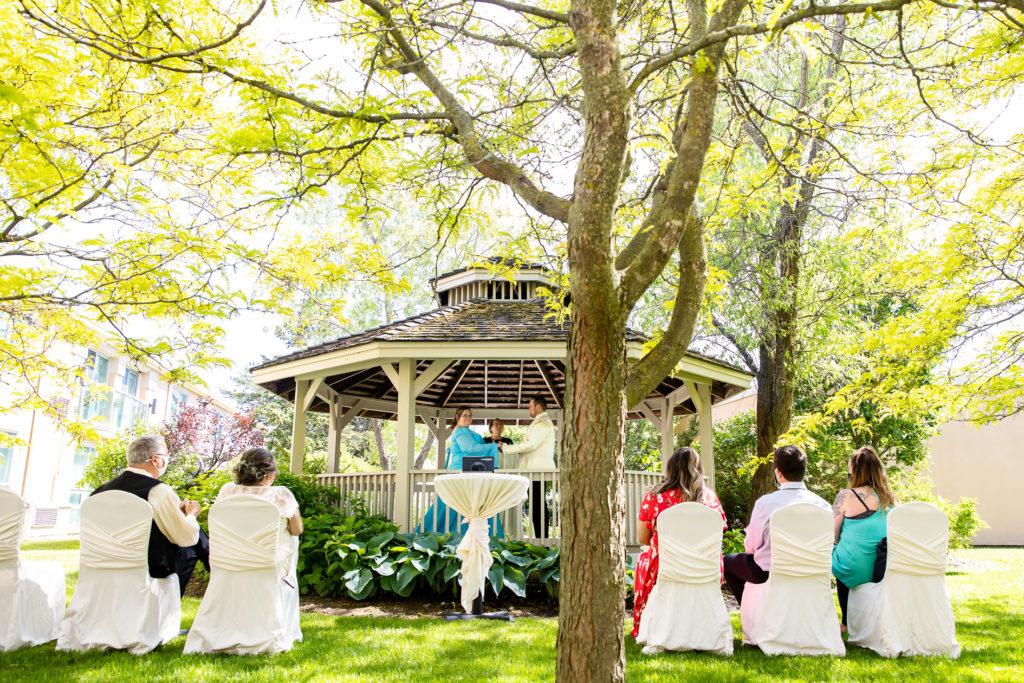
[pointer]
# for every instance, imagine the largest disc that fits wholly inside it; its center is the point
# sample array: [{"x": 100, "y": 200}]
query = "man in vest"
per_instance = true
[
  {"x": 175, "y": 541},
  {"x": 537, "y": 452}
]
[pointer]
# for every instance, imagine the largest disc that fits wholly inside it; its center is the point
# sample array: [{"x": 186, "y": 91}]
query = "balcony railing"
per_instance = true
[{"x": 377, "y": 490}]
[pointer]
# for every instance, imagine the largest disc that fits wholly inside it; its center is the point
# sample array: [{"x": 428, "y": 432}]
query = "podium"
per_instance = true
[{"x": 477, "y": 496}]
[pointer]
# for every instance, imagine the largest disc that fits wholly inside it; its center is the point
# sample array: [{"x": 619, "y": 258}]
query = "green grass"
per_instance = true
[{"x": 988, "y": 598}]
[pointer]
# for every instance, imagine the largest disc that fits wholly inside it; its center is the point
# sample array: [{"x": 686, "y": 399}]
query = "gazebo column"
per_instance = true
[
  {"x": 667, "y": 440},
  {"x": 302, "y": 389},
  {"x": 442, "y": 437},
  {"x": 333, "y": 434},
  {"x": 701, "y": 395},
  {"x": 405, "y": 384}
]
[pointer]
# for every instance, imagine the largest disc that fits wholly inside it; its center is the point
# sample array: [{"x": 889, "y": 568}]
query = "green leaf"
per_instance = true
[
  {"x": 405, "y": 576},
  {"x": 452, "y": 570},
  {"x": 420, "y": 562},
  {"x": 516, "y": 581},
  {"x": 427, "y": 544},
  {"x": 384, "y": 568},
  {"x": 518, "y": 560},
  {"x": 379, "y": 540},
  {"x": 496, "y": 576},
  {"x": 357, "y": 584}
]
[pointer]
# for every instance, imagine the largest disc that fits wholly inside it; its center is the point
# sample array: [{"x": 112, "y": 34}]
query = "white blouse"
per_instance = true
[{"x": 278, "y": 495}]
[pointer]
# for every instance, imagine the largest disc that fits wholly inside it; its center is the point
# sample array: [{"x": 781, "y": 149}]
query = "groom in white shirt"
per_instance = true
[
  {"x": 753, "y": 565},
  {"x": 537, "y": 452}
]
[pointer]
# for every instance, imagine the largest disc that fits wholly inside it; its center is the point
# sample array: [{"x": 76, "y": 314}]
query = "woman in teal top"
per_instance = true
[
  {"x": 860, "y": 513},
  {"x": 464, "y": 441}
]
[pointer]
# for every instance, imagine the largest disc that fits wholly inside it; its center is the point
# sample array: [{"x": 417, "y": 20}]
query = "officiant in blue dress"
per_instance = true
[{"x": 464, "y": 441}]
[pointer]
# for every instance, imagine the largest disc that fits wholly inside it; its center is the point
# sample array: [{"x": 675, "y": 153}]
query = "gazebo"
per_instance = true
[{"x": 491, "y": 344}]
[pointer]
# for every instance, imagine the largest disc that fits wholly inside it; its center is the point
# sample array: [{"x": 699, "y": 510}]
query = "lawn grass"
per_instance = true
[{"x": 988, "y": 598}]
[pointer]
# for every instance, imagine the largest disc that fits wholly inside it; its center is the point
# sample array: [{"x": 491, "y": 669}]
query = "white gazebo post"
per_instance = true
[
  {"x": 701, "y": 394},
  {"x": 302, "y": 389},
  {"x": 405, "y": 383},
  {"x": 667, "y": 440},
  {"x": 442, "y": 437}
]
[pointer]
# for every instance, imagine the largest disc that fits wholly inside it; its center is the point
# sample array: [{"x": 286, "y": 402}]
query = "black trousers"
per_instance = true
[
  {"x": 539, "y": 510},
  {"x": 187, "y": 558},
  {"x": 740, "y": 569},
  {"x": 843, "y": 592}
]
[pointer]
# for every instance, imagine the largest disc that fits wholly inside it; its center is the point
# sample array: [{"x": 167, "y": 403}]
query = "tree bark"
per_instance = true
[
  {"x": 378, "y": 435},
  {"x": 427, "y": 447}
]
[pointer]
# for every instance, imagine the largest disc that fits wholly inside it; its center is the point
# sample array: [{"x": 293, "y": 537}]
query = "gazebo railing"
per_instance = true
[{"x": 377, "y": 489}]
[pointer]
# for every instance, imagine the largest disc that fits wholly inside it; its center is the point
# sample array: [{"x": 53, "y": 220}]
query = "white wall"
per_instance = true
[{"x": 985, "y": 463}]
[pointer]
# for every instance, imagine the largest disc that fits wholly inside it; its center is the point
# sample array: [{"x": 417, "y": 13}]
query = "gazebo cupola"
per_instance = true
[
  {"x": 478, "y": 282},
  {"x": 491, "y": 344}
]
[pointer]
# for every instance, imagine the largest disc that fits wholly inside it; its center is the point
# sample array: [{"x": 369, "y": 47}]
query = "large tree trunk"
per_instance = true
[
  {"x": 378, "y": 435},
  {"x": 774, "y": 409},
  {"x": 590, "y": 631}
]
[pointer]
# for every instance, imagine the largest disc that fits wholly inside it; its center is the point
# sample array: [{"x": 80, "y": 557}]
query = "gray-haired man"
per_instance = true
[{"x": 176, "y": 542}]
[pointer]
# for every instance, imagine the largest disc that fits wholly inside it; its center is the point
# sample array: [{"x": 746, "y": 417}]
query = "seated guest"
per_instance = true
[
  {"x": 254, "y": 474},
  {"x": 496, "y": 427},
  {"x": 176, "y": 542},
  {"x": 753, "y": 566},
  {"x": 683, "y": 483},
  {"x": 860, "y": 513},
  {"x": 464, "y": 441}
]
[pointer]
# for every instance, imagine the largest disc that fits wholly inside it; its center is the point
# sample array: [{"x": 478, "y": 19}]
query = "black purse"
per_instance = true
[{"x": 881, "y": 555}]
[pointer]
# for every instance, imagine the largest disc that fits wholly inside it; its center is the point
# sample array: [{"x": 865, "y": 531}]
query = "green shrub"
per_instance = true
[{"x": 732, "y": 541}]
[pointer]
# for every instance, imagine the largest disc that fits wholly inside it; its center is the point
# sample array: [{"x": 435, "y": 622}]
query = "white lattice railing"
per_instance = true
[{"x": 377, "y": 489}]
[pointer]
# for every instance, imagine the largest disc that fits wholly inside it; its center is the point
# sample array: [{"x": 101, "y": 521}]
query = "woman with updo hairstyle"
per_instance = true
[
  {"x": 254, "y": 474},
  {"x": 682, "y": 482}
]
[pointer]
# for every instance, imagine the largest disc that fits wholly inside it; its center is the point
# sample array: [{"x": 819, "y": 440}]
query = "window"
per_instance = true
[
  {"x": 6, "y": 454},
  {"x": 95, "y": 400},
  {"x": 75, "y": 514},
  {"x": 127, "y": 409},
  {"x": 130, "y": 382},
  {"x": 178, "y": 400},
  {"x": 82, "y": 456}
]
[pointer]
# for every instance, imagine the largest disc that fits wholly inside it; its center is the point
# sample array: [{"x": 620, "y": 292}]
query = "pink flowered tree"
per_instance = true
[{"x": 207, "y": 438}]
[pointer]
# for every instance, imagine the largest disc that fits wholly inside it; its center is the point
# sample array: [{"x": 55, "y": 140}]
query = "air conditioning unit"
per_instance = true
[
  {"x": 45, "y": 517},
  {"x": 59, "y": 404}
]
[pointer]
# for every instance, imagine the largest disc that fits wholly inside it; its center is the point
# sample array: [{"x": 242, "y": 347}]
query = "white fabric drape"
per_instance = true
[
  {"x": 32, "y": 594},
  {"x": 252, "y": 603},
  {"x": 793, "y": 612},
  {"x": 908, "y": 612},
  {"x": 117, "y": 605},
  {"x": 686, "y": 610},
  {"x": 477, "y": 496}
]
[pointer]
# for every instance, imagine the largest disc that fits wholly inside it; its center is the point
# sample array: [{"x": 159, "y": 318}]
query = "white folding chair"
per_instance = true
[
  {"x": 32, "y": 594},
  {"x": 686, "y": 610},
  {"x": 252, "y": 603},
  {"x": 908, "y": 612},
  {"x": 793, "y": 612},
  {"x": 117, "y": 605}
]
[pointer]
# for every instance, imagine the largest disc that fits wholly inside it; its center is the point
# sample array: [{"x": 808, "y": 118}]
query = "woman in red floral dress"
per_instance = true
[{"x": 683, "y": 482}]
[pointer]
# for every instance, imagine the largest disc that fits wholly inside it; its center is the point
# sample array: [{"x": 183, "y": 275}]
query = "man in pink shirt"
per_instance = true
[{"x": 753, "y": 565}]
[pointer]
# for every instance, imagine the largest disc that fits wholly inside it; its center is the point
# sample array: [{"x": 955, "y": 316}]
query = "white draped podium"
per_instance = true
[
  {"x": 252, "y": 603},
  {"x": 686, "y": 610},
  {"x": 793, "y": 612},
  {"x": 117, "y": 605},
  {"x": 32, "y": 594},
  {"x": 908, "y": 612},
  {"x": 477, "y": 496}
]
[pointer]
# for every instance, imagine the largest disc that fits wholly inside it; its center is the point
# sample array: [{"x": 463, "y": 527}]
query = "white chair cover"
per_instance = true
[
  {"x": 908, "y": 612},
  {"x": 793, "y": 612},
  {"x": 252, "y": 603},
  {"x": 32, "y": 594},
  {"x": 477, "y": 497},
  {"x": 117, "y": 605},
  {"x": 686, "y": 610}
]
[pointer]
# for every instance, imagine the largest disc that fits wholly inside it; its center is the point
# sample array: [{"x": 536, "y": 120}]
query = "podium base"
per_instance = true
[
  {"x": 477, "y": 613},
  {"x": 459, "y": 616}
]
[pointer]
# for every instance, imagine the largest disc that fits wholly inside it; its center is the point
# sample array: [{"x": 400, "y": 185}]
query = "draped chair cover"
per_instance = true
[
  {"x": 32, "y": 594},
  {"x": 117, "y": 605},
  {"x": 908, "y": 612},
  {"x": 686, "y": 610},
  {"x": 793, "y": 612},
  {"x": 477, "y": 497},
  {"x": 252, "y": 603}
]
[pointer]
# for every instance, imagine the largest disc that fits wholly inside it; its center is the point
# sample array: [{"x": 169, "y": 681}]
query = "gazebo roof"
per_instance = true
[{"x": 483, "y": 383}]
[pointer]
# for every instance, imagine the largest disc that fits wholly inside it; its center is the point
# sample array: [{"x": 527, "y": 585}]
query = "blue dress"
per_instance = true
[
  {"x": 464, "y": 442},
  {"x": 853, "y": 558}
]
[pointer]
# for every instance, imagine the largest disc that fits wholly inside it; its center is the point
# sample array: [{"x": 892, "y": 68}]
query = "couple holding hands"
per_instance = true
[{"x": 536, "y": 452}]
